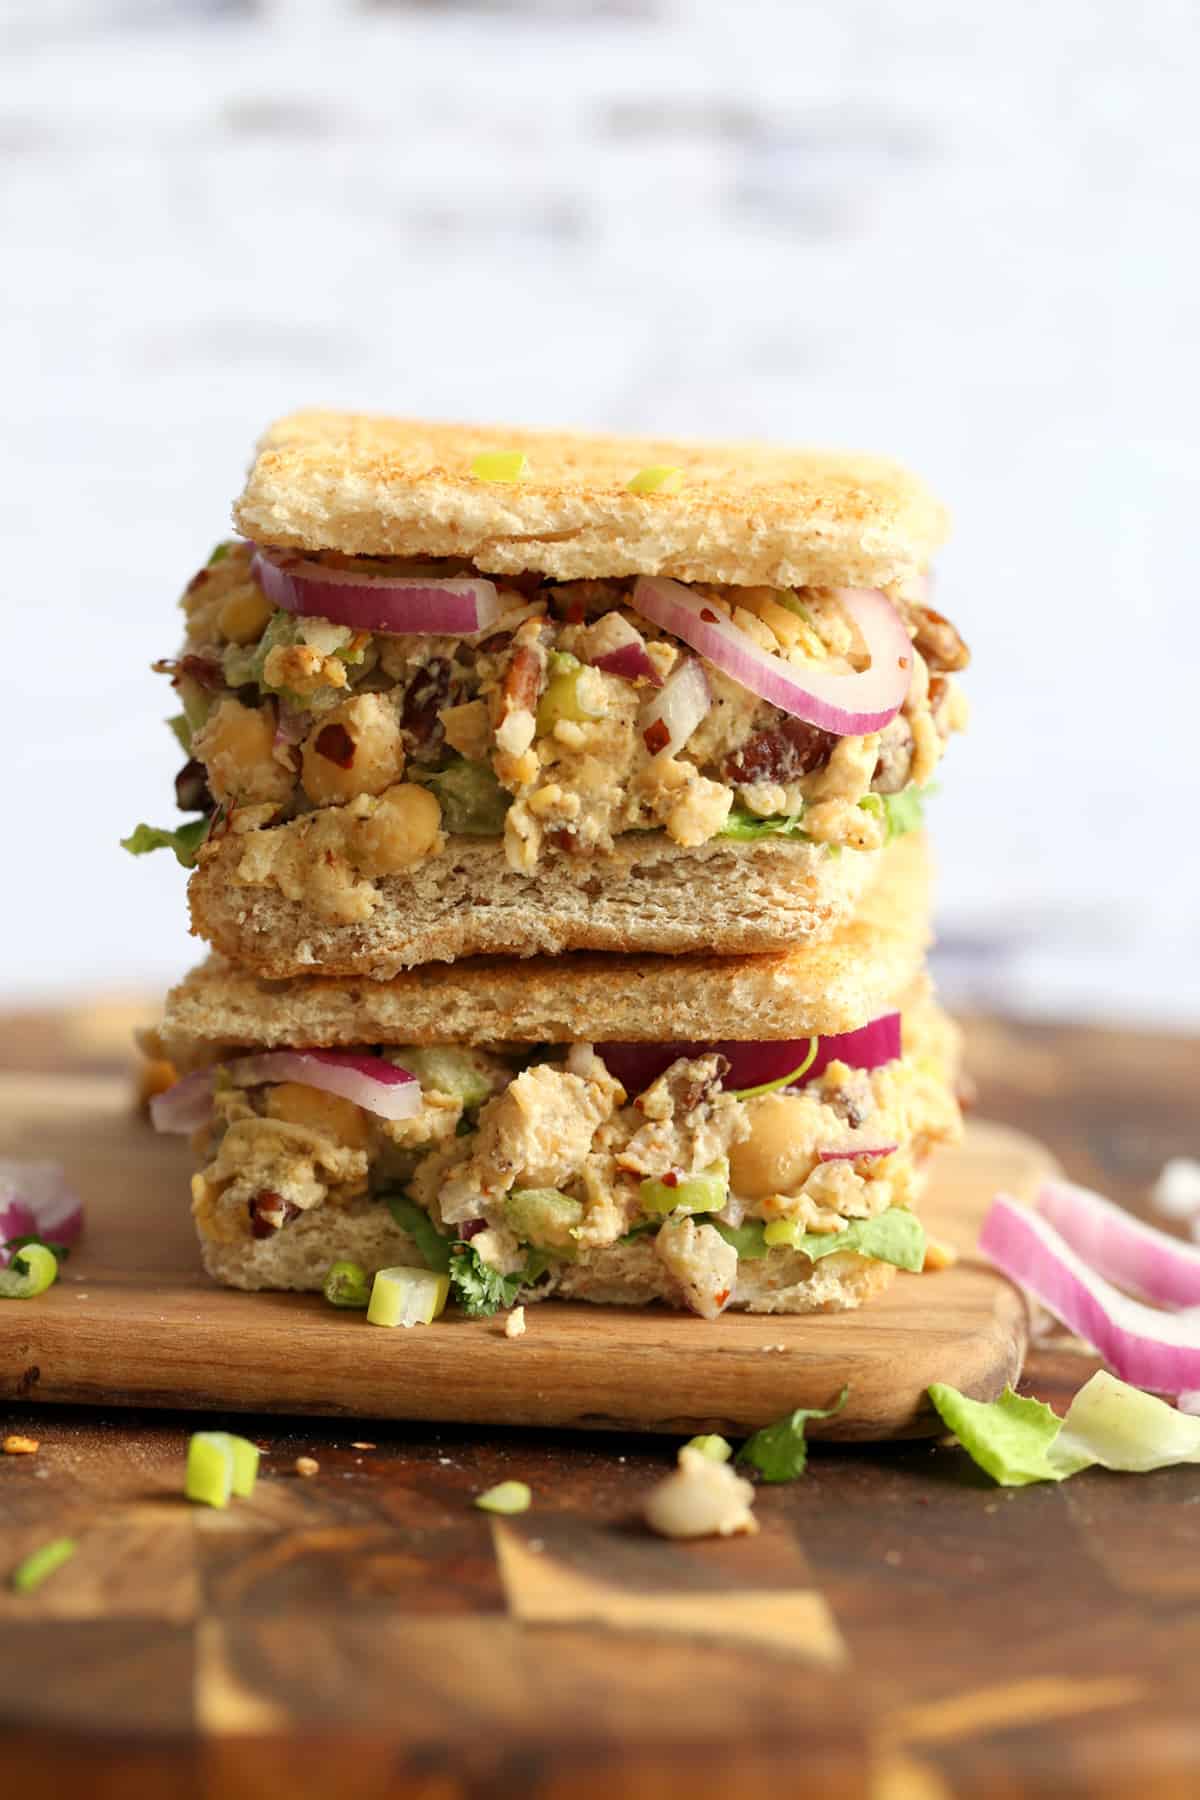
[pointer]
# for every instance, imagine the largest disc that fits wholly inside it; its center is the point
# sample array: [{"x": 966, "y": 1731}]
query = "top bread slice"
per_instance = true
[
  {"x": 745, "y": 513},
  {"x": 867, "y": 968}
]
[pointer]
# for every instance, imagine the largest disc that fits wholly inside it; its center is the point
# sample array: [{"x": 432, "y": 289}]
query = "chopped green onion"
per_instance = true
[
  {"x": 346, "y": 1285},
  {"x": 32, "y": 1270},
  {"x": 245, "y": 1465},
  {"x": 508, "y": 1497},
  {"x": 499, "y": 465},
  {"x": 41, "y": 1563},
  {"x": 657, "y": 479},
  {"x": 769, "y": 1087},
  {"x": 209, "y": 1477},
  {"x": 716, "y": 1448},
  {"x": 407, "y": 1297},
  {"x": 783, "y": 1231}
]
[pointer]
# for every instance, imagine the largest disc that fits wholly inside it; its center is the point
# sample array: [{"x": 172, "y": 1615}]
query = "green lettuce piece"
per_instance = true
[
  {"x": 779, "y": 1451},
  {"x": 747, "y": 826},
  {"x": 481, "y": 1290},
  {"x": 895, "y": 1236},
  {"x": 901, "y": 813},
  {"x": 746, "y": 1239},
  {"x": 182, "y": 729},
  {"x": 1011, "y": 1438},
  {"x": 1108, "y": 1423},
  {"x": 472, "y": 801},
  {"x": 184, "y": 841},
  {"x": 421, "y": 1229}
]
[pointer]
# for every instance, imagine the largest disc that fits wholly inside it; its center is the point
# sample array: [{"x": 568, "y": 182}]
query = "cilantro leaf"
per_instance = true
[
  {"x": 184, "y": 841},
  {"x": 779, "y": 1451},
  {"x": 479, "y": 1289}
]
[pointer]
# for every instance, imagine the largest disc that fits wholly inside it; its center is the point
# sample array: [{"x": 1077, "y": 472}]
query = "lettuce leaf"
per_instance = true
[
  {"x": 182, "y": 731},
  {"x": 901, "y": 813},
  {"x": 896, "y": 1237},
  {"x": 472, "y": 801},
  {"x": 185, "y": 840},
  {"x": 1110, "y": 1423},
  {"x": 779, "y": 1451},
  {"x": 747, "y": 826}
]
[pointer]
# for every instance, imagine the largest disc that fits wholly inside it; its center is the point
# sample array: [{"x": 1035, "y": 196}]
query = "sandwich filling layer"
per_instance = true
[
  {"x": 519, "y": 1168},
  {"x": 344, "y": 755}
]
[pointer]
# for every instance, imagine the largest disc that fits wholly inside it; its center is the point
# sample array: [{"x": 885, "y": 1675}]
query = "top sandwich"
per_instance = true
[{"x": 463, "y": 691}]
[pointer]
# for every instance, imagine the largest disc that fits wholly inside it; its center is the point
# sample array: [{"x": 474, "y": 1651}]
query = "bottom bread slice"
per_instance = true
[{"x": 783, "y": 1281}]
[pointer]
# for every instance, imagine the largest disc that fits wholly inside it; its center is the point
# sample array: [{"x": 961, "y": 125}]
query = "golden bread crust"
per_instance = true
[{"x": 746, "y": 513}]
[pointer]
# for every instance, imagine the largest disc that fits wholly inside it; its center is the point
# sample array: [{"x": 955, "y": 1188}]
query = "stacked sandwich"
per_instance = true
[{"x": 558, "y": 839}]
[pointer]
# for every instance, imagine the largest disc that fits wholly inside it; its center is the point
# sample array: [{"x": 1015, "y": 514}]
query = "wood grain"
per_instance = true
[
  {"x": 899, "y": 1630},
  {"x": 138, "y": 1322}
]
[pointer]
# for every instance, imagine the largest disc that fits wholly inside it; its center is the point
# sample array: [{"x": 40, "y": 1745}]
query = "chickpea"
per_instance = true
[
  {"x": 778, "y": 1155},
  {"x": 354, "y": 749},
  {"x": 403, "y": 828},
  {"x": 318, "y": 1111},
  {"x": 244, "y": 615},
  {"x": 235, "y": 745}
]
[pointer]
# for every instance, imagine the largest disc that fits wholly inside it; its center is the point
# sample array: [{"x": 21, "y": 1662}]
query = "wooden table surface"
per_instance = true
[{"x": 901, "y": 1629}]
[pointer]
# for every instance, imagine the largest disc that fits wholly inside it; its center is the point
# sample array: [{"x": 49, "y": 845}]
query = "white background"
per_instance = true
[{"x": 963, "y": 234}]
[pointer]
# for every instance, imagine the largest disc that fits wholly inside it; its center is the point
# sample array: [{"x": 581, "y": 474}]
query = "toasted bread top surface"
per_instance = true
[
  {"x": 835, "y": 986},
  {"x": 745, "y": 513}
]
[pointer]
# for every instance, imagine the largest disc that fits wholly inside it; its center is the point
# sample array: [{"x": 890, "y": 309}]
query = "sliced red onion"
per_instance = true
[
  {"x": 377, "y": 1086},
  {"x": 752, "y": 1064},
  {"x": 848, "y": 704},
  {"x": 862, "y": 1143},
  {"x": 185, "y": 1106},
  {"x": 668, "y": 720},
  {"x": 630, "y": 658},
  {"x": 35, "y": 1201},
  {"x": 1189, "y": 1403},
  {"x": 399, "y": 605},
  {"x": 1120, "y": 1247},
  {"x": 1155, "y": 1350}
]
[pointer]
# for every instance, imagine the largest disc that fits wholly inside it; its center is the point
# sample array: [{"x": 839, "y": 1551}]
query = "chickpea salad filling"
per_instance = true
[
  {"x": 566, "y": 719},
  {"x": 514, "y": 1167}
]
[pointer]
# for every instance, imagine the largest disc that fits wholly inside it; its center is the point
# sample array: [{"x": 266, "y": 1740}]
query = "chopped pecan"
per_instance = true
[
  {"x": 426, "y": 694},
  {"x": 938, "y": 641},
  {"x": 191, "y": 788},
  {"x": 783, "y": 754},
  {"x": 205, "y": 670}
]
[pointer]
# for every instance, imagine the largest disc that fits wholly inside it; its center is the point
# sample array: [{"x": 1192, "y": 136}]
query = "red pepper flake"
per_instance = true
[
  {"x": 710, "y": 618},
  {"x": 671, "y": 1178},
  {"x": 336, "y": 745},
  {"x": 656, "y": 737},
  {"x": 722, "y": 1297}
]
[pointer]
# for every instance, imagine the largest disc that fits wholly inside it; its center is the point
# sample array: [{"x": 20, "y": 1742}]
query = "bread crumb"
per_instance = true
[
  {"x": 514, "y": 1325},
  {"x": 20, "y": 1446},
  {"x": 306, "y": 1466},
  {"x": 701, "y": 1498}
]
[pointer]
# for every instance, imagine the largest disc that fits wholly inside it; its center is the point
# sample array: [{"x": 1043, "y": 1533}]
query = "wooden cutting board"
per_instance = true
[{"x": 135, "y": 1321}]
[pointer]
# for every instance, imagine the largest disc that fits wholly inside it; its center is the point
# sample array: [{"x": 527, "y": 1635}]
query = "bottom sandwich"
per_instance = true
[{"x": 595, "y": 1128}]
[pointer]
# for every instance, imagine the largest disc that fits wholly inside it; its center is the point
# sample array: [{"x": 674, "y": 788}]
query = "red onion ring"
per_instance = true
[
  {"x": 848, "y": 704},
  {"x": 397, "y": 605},
  {"x": 1155, "y": 1350},
  {"x": 864, "y": 1144},
  {"x": 185, "y": 1106},
  {"x": 753, "y": 1063},
  {"x": 630, "y": 658},
  {"x": 1120, "y": 1247},
  {"x": 377, "y": 1086}
]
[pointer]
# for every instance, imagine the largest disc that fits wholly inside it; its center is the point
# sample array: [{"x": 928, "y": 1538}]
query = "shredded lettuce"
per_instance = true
[
  {"x": 182, "y": 729},
  {"x": 747, "y": 826},
  {"x": 1109, "y": 1423},
  {"x": 895, "y": 1236},
  {"x": 472, "y": 801},
  {"x": 779, "y": 1451},
  {"x": 184, "y": 841},
  {"x": 421, "y": 1229},
  {"x": 901, "y": 813}
]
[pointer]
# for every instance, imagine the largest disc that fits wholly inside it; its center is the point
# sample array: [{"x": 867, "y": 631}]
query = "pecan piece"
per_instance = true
[
  {"x": 268, "y": 1211},
  {"x": 191, "y": 788},
  {"x": 938, "y": 641},
  {"x": 522, "y": 682}
]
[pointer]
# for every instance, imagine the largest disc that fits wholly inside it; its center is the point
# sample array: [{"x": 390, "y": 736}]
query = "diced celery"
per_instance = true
[
  {"x": 562, "y": 698},
  {"x": 544, "y": 1216},
  {"x": 472, "y": 801},
  {"x": 460, "y": 1073},
  {"x": 717, "y": 1449},
  {"x": 209, "y": 1478},
  {"x": 783, "y": 1231},
  {"x": 245, "y": 1465},
  {"x": 499, "y": 465},
  {"x": 346, "y": 1285},
  {"x": 407, "y": 1297},
  {"x": 705, "y": 1192},
  {"x": 506, "y": 1497},
  {"x": 658, "y": 478}
]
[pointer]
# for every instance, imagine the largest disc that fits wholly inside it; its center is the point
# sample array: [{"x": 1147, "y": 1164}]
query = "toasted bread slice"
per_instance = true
[
  {"x": 833, "y": 986},
  {"x": 647, "y": 894},
  {"x": 745, "y": 513}
]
